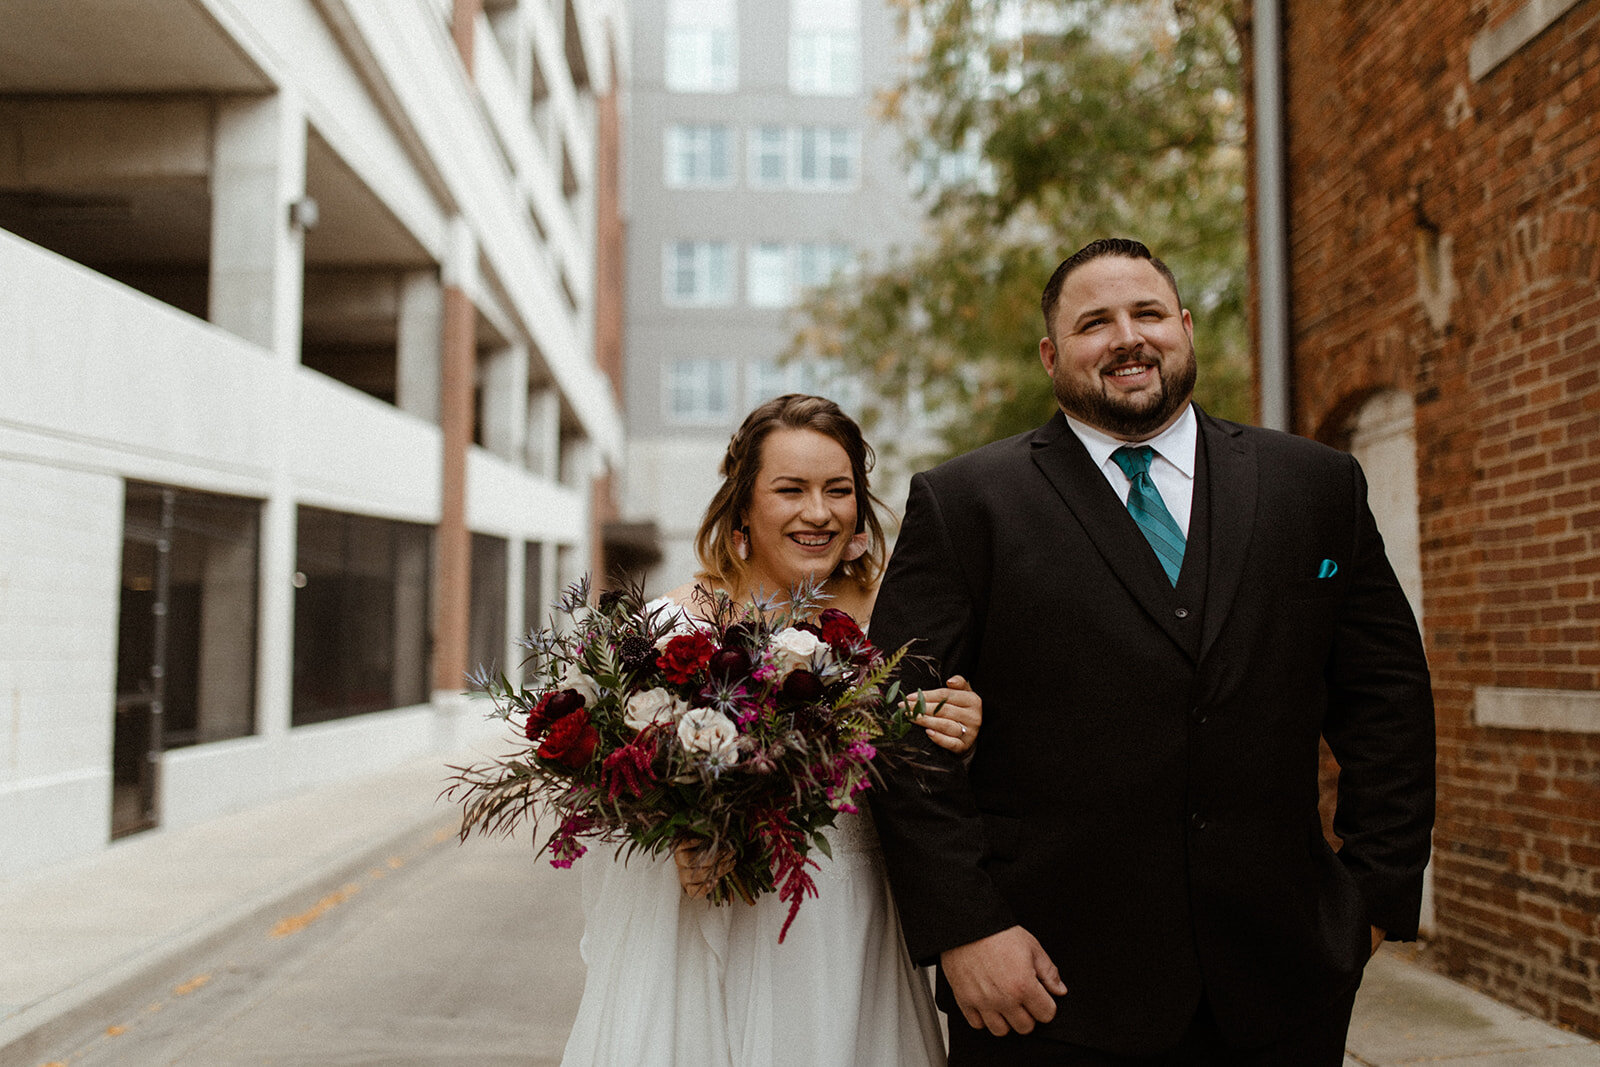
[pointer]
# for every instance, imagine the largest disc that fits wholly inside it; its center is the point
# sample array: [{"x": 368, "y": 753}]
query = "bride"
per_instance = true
[{"x": 673, "y": 979}]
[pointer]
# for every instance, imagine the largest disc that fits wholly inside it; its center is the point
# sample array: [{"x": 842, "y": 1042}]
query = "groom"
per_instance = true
[{"x": 1163, "y": 613}]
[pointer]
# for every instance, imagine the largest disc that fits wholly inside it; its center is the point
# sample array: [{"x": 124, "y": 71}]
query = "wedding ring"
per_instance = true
[{"x": 963, "y": 729}]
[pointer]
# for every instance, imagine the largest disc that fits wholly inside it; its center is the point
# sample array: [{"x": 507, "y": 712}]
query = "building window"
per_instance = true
[
  {"x": 702, "y": 51},
  {"x": 776, "y": 274},
  {"x": 826, "y": 157},
  {"x": 825, "y": 48},
  {"x": 698, "y": 155},
  {"x": 361, "y": 613},
  {"x": 805, "y": 157},
  {"x": 816, "y": 263},
  {"x": 767, "y": 276},
  {"x": 698, "y": 273},
  {"x": 699, "y": 392},
  {"x": 486, "y": 624},
  {"x": 186, "y": 634},
  {"x": 769, "y": 156},
  {"x": 765, "y": 380}
]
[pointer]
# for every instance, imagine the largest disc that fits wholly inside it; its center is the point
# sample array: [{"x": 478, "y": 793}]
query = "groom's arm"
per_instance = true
[
  {"x": 1380, "y": 728},
  {"x": 933, "y": 839}
]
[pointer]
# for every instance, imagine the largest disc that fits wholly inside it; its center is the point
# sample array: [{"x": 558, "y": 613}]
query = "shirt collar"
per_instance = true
[{"x": 1175, "y": 444}]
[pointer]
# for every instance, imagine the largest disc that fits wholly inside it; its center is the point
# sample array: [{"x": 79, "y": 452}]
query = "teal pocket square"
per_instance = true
[{"x": 1328, "y": 569}]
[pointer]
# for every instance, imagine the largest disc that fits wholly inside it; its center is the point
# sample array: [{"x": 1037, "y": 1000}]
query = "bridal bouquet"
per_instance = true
[{"x": 642, "y": 727}]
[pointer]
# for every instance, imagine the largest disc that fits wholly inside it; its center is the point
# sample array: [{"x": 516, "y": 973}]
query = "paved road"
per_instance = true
[{"x": 444, "y": 954}]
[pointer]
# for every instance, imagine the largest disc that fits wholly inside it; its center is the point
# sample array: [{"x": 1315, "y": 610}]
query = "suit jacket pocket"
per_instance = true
[
  {"x": 1000, "y": 836},
  {"x": 1312, "y": 589}
]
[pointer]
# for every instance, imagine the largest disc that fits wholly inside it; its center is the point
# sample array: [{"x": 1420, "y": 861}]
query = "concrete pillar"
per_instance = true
[
  {"x": 505, "y": 402},
  {"x": 453, "y": 575},
  {"x": 256, "y": 291},
  {"x": 258, "y": 170},
  {"x": 420, "y": 345}
]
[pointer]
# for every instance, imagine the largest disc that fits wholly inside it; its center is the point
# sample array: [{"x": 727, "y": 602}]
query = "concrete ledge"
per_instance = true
[
  {"x": 1494, "y": 46},
  {"x": 1567, "y": 710}
]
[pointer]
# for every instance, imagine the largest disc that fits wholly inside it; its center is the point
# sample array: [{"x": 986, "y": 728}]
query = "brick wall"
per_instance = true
[{"x": 1445, "y": 241}]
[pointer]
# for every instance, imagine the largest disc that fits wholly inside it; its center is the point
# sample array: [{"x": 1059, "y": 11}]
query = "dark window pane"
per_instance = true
[{"x": 360, "y": 615}]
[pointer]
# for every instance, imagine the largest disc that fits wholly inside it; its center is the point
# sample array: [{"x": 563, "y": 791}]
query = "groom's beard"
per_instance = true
[{"x": 1129, "y": 417}]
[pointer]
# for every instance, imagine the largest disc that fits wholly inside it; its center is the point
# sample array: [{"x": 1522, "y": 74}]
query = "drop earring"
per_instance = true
[
  {"x": 857, "y": 546},
  {"x": 741, "y": 543}
]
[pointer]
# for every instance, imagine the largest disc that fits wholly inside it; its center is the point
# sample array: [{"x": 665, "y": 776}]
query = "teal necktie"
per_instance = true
[{"x": 1144, "y": 504}]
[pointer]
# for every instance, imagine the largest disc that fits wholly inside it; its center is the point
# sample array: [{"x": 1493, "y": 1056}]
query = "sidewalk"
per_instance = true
[{"x": 82, "y": 940}]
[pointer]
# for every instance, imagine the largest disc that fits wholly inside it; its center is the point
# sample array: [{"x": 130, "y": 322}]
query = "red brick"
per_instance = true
[{"x": 1508, "y": 442}]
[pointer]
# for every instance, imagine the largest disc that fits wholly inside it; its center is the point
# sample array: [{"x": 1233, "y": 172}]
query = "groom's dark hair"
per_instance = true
[{"x": 1105, "y": 246}]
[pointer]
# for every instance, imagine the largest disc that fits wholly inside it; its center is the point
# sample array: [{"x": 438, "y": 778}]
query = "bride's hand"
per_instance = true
[
  {"x": 699, "y": 866},
  {"x": 954, "y": 715}
]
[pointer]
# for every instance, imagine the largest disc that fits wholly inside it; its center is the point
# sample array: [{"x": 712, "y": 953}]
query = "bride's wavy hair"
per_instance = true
[{"x": 714, "y": 544}]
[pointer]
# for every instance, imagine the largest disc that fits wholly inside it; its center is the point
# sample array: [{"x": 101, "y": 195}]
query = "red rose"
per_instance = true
[
  {"x": 571, "y": 741},
  {"x": 840, "y": 630},
  {"x": 552, "y": 706},
  {"x": 686, "y": 656}
]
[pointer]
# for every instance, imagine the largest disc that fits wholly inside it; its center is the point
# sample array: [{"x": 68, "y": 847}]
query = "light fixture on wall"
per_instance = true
[{"x": 304, "y": 214}]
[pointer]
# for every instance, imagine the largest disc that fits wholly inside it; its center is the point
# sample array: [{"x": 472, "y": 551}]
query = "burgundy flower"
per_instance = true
[
  {"x": 552, "y": 706},
  {"x": 840, "y": 630},
  {"x": 685, "y": 656},
  {"x": 802, "y": 686},
  {"x": 571, "y": 741},
  {"x": 729, "y": 663},
  {"x": 629, "y": 770}
]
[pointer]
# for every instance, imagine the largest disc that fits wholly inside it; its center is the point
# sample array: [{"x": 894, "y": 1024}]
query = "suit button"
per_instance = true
[
  {"x": 1182, "y": 613},
  {"x": 1198, "y": 715},
  {"x": 1197, "y": 821}
]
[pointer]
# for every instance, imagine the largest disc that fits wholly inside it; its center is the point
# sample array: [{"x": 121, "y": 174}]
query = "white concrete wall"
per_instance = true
[{"x": 61, "y": 529}]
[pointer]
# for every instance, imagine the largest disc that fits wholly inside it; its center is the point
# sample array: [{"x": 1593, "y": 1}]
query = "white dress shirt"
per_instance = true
[{"x": 1171, "y": 468}]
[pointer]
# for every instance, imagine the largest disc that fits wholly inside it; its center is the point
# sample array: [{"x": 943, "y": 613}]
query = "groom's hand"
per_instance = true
[{"x": 1003, "y": 982}]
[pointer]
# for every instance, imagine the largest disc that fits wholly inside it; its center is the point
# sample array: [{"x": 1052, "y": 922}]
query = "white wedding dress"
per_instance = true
[{"x": 677, "y": 981}]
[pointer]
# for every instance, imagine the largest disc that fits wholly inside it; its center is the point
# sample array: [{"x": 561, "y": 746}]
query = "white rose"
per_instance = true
[
  {"x": 708, "y": 731},
  {"x": 652, "y": 705},
  {"x": 792, "y": 649},
  {"x": 573, "y": 678}
]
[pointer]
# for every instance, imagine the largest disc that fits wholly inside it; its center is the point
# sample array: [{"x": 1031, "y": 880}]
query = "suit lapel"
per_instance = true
[
  {"x": 1063, "y": 460},
  {"x": 1232, "y": 474}
]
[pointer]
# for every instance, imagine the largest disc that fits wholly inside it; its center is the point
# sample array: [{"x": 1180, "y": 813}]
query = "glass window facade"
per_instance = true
[
  {"x": 702, "y": 53},
  {"x": 825, "y": 48},
  {"x": 698, "y": 156},
  {"x": 698, "y": 273},
  {"x": 699, "y": 391},
  {"x": 362, "y": 607},
  {"x": 486, "y": 627}
]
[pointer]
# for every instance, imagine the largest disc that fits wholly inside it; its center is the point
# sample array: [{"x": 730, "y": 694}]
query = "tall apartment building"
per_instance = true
[
  {"x": 309, "y": 373},
  {"x": 756, "y": 168}
]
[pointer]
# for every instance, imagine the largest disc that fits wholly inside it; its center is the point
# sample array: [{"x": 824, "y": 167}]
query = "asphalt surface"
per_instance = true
[{"x": 347, "y": 926}]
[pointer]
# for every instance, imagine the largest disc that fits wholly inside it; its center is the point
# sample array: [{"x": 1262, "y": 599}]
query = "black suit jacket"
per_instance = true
[{"x": 1143, "y": 794}]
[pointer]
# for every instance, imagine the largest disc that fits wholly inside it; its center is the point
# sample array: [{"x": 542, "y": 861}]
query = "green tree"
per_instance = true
[{"x": 1086, "y": 118}]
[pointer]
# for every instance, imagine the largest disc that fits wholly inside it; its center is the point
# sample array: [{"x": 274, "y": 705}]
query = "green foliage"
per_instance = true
[{"x": 1104, "y": 118}]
